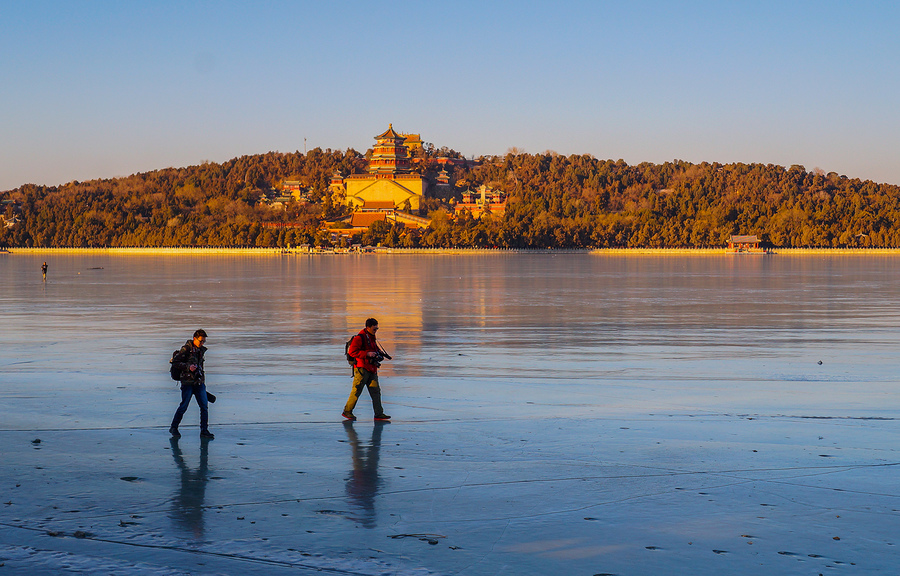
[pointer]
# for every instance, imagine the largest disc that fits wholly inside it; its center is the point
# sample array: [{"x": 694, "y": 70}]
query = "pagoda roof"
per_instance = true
[{"x": 389, "y": 134}]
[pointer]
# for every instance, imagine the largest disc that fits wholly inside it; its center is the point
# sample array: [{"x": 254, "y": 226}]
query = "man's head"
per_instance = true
[
  {"x": 199, "y": 337},
  {"x": 371, "y": 326}
]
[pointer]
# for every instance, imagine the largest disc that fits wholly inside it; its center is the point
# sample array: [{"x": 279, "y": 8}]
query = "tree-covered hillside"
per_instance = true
[
  {"x": 206, "y": 205},
  {"x": 554, "y": 202}
]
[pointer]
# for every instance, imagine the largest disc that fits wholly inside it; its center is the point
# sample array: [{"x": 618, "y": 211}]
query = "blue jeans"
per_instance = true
[{"x": 188, "y": 390}]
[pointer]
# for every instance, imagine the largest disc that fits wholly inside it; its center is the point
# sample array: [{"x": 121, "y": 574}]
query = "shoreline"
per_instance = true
[{"x": 204, "y": 251}]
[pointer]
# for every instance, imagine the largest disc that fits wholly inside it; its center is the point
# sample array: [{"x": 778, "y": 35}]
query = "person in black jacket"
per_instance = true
[{"x": 189, "y": 363}]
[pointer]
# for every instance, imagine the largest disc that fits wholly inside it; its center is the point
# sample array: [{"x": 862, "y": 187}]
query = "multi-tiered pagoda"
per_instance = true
[
  {"x": 389, "y": 182},
  {"x": 389, "y": 156}
]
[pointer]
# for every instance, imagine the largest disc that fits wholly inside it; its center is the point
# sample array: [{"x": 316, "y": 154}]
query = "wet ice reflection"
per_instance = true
[
  {"x": 363, "y": 481},
  {"x": 189, "y": 499},
  {"x": 568, "y": 414}
]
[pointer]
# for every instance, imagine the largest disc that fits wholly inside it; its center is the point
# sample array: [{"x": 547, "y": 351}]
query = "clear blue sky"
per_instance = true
[{"x": 109, "y": 88}]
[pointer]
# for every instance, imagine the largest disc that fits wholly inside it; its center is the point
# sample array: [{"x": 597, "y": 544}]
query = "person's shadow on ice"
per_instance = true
[
  {"x": 363, "y": 481},
  {"x": 187, "y": 503}
]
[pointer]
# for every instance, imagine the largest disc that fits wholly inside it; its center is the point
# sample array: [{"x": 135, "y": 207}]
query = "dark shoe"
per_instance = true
[
  {"x": 349, "y": 416},
  {"x": 174, "y": 432},
  {"x": 207, "y": 434},
  {"x": 210, "y": 397},
  {"x": 382, "y": 417}
]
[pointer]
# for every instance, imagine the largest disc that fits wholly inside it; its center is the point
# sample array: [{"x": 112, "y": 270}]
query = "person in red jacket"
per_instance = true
[{"x": 365, "y": 374}]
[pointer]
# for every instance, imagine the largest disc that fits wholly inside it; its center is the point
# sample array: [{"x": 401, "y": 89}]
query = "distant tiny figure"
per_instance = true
[
  {"x": 368, "y": 356},
  {"x": 189, "y": 363},
  {"x": 44, "y": 271}
]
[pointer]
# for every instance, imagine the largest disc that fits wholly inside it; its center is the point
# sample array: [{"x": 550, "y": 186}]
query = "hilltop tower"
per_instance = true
[
  {"x": 389, "y": 156},
  {"x": 390, "y": 182}
]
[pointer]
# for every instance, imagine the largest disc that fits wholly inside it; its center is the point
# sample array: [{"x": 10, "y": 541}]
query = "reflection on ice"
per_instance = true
[
  {"x": 188, "y": 501},
  {"x": 571, "y": 414},
  {"x": 363, "y": 481}
]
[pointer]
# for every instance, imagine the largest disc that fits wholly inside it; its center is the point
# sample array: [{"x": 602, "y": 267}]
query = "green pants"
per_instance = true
[{"x": 362, "y": 378}]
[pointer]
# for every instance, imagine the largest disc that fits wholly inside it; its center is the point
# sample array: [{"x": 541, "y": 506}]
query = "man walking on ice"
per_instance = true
[
  {"x": 188, "y": 362},
  {"x": 368, "y": 356}
]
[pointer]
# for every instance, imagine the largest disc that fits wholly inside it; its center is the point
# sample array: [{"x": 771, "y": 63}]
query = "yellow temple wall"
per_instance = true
[{"x": 385, "y": 190}]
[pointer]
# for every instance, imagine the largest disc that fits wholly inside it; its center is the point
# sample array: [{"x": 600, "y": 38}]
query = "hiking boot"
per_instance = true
[
  {"x": 349, "y": 416},
  {"x": 174, "y": 432},
  {"x": 382, "y": 417},
  {"x": 207, "y": 434}
]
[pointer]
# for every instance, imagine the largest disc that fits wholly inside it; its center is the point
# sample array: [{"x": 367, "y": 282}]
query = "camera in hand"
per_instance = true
[{"x": 379, "y": 357}]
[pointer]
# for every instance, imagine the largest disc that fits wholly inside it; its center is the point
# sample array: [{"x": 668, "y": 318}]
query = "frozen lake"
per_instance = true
[{"x": 552, "y": 414}]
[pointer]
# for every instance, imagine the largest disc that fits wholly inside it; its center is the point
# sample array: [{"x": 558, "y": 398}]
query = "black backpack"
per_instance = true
[
  {"x": 350, "y": 359},
  {"x": 173, "y": 371}
]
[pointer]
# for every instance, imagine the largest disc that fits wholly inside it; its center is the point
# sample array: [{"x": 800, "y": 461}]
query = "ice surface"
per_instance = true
[{"x": 568, "y": 414}]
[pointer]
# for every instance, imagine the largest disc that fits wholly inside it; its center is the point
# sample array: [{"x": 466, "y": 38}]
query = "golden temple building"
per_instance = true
[{"x": 390, "y": 181}]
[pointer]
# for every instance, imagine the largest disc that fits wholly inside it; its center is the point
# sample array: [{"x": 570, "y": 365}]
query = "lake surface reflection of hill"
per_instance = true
[{"x": 571, "y": 413}]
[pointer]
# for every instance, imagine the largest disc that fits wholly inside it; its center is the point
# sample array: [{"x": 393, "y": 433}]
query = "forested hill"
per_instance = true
[{"x": 554, "y": 202}]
